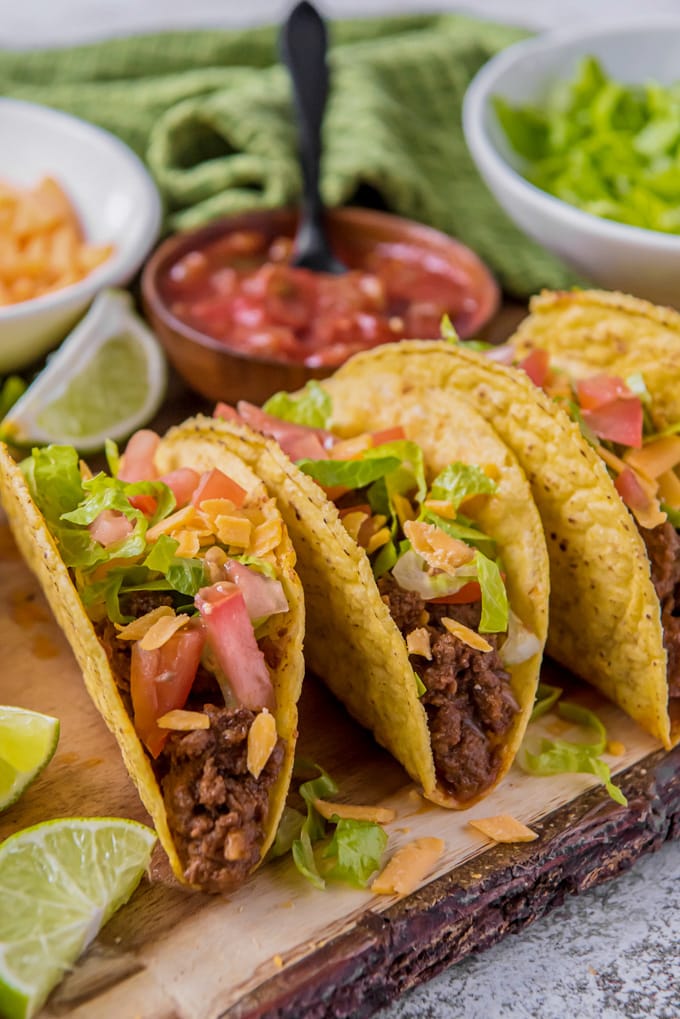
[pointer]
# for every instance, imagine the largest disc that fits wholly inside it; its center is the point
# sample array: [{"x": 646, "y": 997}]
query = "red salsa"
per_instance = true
[{"x": 242, "y": 291}]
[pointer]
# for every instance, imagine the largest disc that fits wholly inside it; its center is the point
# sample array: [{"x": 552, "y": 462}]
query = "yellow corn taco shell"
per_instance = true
[
  {"x": 351, "y": 640},
  {"x": 591, "y": 331},
  {"x": 42, "y": 556},
  {"x": 604, "y": 615}
]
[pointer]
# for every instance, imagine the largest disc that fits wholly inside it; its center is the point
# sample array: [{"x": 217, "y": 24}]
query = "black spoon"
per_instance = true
[{"x": 303, "y": 50}]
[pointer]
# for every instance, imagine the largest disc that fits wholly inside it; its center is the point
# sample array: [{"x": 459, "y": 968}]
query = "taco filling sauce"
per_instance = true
[
  {"x": 178, "y": 576},
  {"x": 436, "y": 571},
  {"x": 615, "y": 417}
]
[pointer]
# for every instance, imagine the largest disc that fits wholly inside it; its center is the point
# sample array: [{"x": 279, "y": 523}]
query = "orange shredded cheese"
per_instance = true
[
  {"x": 183, "y": 721},
  {"x": 616, "y": 748},
  {"x": 85, "y": 471},
  {"x": 353, "y": 522},
  {"x": 438, "y": 549},
  {"x": 181, "y": 518},
  {"x": 418, "y": 642},
  {"x": 278, "y": 961},
  {"x": 261, "y": 742},
  {"x": 354, "y": 812},
  {"x": 464, "y": 633},
  {"x": 611, "y": 460},
  {"x": 161, "y": 631},
  {"x": 266, "y": 536},
  {"x": 408, "y": 867},
  {"x": 656, "y": 457},
  {"x": 669, "y": 489},
  {"x": 377, "y": 540},
  {"x": 138, "y": 627},
  {"x": 351, "y": 449},
  {"x": 232, "y": 530},
  {"x": 189, "y": 543},
  {"x": 503, "y": 828},
  {"x": 441, "y": 507}
]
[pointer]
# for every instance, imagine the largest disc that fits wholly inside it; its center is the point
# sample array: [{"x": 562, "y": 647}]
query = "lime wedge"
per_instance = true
[
  {"x": 27, "y": 743},
  {"x": 59, "y": 884},
  {"x": 106, "y": 380}
]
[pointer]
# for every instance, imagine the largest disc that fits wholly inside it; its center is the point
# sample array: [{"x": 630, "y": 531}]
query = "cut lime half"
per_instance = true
[
  {"x": 106, "y": 380},
  {"x": 59, "y": 884},
  {"x": 27, "y": 742}
]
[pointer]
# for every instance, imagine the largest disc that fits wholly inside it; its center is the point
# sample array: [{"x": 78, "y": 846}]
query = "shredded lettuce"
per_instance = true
[
  {"x": 609, "y": 148},
  {"x": 546, "y": 697},
  {"x": 459, "y": 481},
  {"x": 411, "y": 572},
  {"x": 288, "y": 831},
  {"x": 112, "y": 457},
  {"x": 348, "y": 473},
  {"x": 354, "y": 850},
  {"x": 448, "y": 330},
  {"x": 672, "y": 514},
  {"x": 463, "y": 531},
  {"x": 312, "y": 407},
  {"x": 556, "y": 756},
  {"x": 12, "y": 388},
  {"x": 494, "y": 617}
]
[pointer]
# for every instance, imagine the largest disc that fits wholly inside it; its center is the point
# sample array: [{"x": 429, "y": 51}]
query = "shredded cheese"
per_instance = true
[
  {"x": 464, "y": 633},
  {"x": 669, "y": 489},
  {"x": 656, "y": 457},
  {"x": 616, "y": 748},
  {"x": 418, "y": 642},
  {"x": 351, "y": 449},
  {"x": 404, "y": 509},
  {"x": 138, "y": 627},
  {"x": 267, "y": 536},
  {"x": 503, "y": 828},
  {"x": 353, "y": 522},
  {"x": 189, "y": 543},
  {"x": 261, "y": 741},
  {"x": 354, "y": 812},
  {"x": 161, "y": 631},
  {"x": 181, "y": 518},
  {"x": 441, "y": 507},
  {"x": 408, "y": 867},
  {"x": 377, "y": 540},
  {"x": 183, "y": 721},
  {"x": 438, "y": 549},
  {"x": 233, "y": 530}
]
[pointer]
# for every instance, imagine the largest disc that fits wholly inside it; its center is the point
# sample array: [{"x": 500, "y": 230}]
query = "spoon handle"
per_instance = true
[{"x": 303, "y": 50}]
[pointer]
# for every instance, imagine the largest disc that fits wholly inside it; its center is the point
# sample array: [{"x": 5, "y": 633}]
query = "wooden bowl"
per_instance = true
[{"x": 219, "y": 373}]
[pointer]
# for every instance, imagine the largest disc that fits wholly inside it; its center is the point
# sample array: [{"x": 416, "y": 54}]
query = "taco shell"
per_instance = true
[
  {"x": 605, "y": 622},
  {"x": 591, "y": 331},
  {"x": 351, "y": 640},
  {"x": 42, "y": 556}
]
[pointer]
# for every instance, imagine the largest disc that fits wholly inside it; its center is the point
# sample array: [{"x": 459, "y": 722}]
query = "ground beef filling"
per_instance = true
[
  {"x": 216, "y": 810},
  {"x": 663, "y": 549},
  {"x": 469, "y": 700}
]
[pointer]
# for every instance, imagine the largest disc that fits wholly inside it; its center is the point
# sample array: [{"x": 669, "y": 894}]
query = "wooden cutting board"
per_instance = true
[{"x": 278, "y": 946}]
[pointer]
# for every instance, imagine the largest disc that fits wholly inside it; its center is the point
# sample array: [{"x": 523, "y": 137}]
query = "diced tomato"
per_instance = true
[
  {"x": 468, "y": 593},
  {"x": 146, "y": 503},
  {"x": 109, "y": 527},
  {"x": 630, "y": 490},
  {"x": 599, "y": 390},
  {"x": 537, "y": 366},
  {"x": 296, "y": 441},
  {"x": 232, "y": 640},
  {"x": 618, "y": 421},
  {"x": 137, "y": 462},
  {"x": 182, "y": 483},
  {"x": 227, "y": 413},
  {"x": 215, "y": 484},
  {"x": 161, "y": 680},
  {"x": 387, "y": 435}
]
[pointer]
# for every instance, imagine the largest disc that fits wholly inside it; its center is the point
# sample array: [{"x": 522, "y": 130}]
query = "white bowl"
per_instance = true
[
  {"x": 115, "y": 198},
  {"x": 610, "y": 254}
]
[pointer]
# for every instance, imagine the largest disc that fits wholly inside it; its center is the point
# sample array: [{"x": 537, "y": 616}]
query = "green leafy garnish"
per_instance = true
[
  {"x": 348, "y": 473},
  {"x": 448, "y": 330},
  {"x": 311, "y": 407},
  {"x": 112, "y": 457},
  {"x": 354, "y": 851},
  {"x": 672, "y": 514},
  {"x": 546, "y": 696},
  {"x": 288, "y": 831},
  {"x": 609, "y": 148},
  {"x": 459, "y": 481},
  {"x": 556, "y": 756},
  {"x": 494, "y": 618},
  {"x": 463, "y": 531}
]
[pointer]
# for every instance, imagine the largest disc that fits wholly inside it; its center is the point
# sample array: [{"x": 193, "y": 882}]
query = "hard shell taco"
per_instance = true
[
  {"x": 613, "y": 362},
  {"x": 424, "y": 567},
  {"x": 605, "y": 624},
  {"x": 177, "y": 591}
]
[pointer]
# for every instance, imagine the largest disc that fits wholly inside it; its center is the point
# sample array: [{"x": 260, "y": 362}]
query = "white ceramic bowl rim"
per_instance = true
[
  {"x": 482, "y": 88},
  {"x": 122, "y": 257}
]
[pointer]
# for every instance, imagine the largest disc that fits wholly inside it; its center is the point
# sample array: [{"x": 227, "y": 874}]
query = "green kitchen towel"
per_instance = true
[{"x": 210, "y": 113}]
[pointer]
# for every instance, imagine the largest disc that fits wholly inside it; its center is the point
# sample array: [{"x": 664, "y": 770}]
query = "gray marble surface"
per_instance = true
[{"x": 614, "y": 952}]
